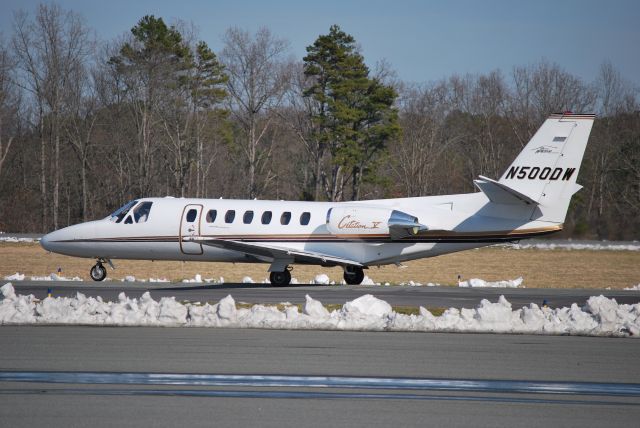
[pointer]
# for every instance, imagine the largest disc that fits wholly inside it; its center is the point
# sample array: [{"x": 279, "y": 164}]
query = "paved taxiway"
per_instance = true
[
  {"x": 262, "y": 293},
  {"x": 91, "y": 351}
]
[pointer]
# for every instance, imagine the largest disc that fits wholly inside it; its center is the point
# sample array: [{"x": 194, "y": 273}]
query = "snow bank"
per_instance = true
[
  {"x": 592, "y": 246},
  {"x": 634, "y": 288},
  {"x": 13, "y": 239},
  {"x": 15, "y": 277},
  {"x": 480, "y": 283},
  {"x": 599, "y": 317},
  {"x": 55, "y": 277}
]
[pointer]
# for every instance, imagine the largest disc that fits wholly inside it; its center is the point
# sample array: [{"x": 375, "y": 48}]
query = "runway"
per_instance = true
[
  {"x": 65, "y": 376},
  {"x": 109, "y": 376},
  {"x": 262, "y": 293}
]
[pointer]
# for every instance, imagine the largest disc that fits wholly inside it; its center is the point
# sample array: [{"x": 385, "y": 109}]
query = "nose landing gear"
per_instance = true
[{"x": 98, "y": 272}]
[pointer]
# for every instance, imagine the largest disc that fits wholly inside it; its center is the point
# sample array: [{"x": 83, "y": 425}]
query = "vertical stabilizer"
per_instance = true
[{"x": 547, "y": 169}]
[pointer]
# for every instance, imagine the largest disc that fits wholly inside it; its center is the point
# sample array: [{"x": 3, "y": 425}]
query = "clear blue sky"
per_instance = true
[{"x": 423, "y": 40}]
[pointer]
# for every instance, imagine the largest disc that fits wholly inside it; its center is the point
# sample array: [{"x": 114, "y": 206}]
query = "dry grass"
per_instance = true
[{"x": 540, "y": 268}]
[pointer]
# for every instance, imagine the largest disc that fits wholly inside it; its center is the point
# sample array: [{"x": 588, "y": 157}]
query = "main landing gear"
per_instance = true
[
  {"x": 98, "y": 272},
  {"x": 280, "y": 279},
  {"x": 353, "y": 275}
]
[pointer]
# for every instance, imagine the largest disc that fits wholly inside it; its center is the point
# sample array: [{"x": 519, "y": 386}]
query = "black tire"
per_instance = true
[
  {"x": 98, "y": 272},
  {"x": 354, "y": 276},
  {"x": 280, "y": 279}
]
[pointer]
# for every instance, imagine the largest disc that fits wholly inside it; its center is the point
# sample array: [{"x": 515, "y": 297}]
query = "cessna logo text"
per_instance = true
[
  {"x": 544, "y": 149},
  {"x": 348, "y": 223},
  {"x": 546, "y": 173}
]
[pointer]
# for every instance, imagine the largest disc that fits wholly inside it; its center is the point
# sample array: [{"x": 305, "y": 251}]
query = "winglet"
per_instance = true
[{"x": 501, "y": 193}]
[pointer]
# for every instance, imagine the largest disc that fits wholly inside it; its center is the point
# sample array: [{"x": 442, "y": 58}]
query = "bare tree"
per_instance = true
[
  {"x": 258, "y": 72},
  {"x": 612, "y": 90},
  {"x": 48, "y": 50},
  {"x": 298, "y": 116},
  {"x": 418, "y": 154},
  {"x": 9, "y": 103},
  {"x": 83, "y": 111},
  {"x": 545, "y": 88}
]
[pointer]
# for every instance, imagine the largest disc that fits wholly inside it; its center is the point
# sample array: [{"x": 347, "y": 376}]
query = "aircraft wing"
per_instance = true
[{"x": 273, "y": 252}]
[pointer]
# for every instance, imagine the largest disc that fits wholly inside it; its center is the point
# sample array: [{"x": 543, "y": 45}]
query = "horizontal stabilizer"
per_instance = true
[{"x": 501, "y": 193}]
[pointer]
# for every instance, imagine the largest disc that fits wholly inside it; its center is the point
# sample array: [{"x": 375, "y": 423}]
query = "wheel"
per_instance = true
[
  {"x": 280, "y": 279},
  {"x": 353, "y": 276},
  {"x": 98, "y": 272}
]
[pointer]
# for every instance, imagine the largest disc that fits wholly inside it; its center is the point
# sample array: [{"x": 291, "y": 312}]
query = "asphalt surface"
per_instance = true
[
  {"x": 92, "y": 353},
  {"x": 262, "y": 293},
  {"x": 79, "y": 376}
]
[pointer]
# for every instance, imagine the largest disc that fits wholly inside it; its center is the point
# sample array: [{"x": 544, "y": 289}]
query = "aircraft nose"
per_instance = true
[
  {"x": 44, "y": 241},
  {"x": 69, "y": 240},
  {"x": 48, "y": 241}
]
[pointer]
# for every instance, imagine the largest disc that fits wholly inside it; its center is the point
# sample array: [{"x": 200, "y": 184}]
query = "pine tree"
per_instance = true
[{"x": 355, "y": 118}]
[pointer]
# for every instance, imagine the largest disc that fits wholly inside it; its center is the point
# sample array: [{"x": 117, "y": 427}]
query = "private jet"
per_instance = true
[{"x": 530, "y": 199}]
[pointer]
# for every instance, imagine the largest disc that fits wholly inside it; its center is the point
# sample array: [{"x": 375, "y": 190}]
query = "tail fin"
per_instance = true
[{"x": 547, "y": 168}]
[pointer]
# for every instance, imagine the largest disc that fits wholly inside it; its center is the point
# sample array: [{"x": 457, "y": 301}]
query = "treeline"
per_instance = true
[{"x": 87, "y": 125}]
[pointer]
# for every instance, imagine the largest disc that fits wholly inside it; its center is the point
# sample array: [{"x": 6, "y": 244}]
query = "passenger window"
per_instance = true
[
  {"x": 266, "y": 217},
  {"x": 248, "y": 217},
  {"x": 211, "y": 216},
  {"x": 141, "y": 212},
  {"x": 128, "y": 220},
  {"x": 229, "y": 216},
  {"x": 191, "y": 215},
  {"x": 304, "y": 218},
  {"x": 285, "y": 218}
]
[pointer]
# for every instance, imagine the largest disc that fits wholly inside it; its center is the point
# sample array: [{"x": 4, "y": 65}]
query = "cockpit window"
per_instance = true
[
  {"x": 141, "y": 212},
  {"x": 119, "y": 214}
]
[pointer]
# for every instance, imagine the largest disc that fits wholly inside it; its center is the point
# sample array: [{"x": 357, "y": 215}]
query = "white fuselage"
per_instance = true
[{"x": 455, "y": 222}]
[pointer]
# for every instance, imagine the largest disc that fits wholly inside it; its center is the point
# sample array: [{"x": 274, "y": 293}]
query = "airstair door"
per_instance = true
[{"x": 190, "y": 227}]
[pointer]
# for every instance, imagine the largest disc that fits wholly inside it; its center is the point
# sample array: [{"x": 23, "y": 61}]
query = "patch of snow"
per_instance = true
[
  {"x": 158, "y": 280},
  {"x": 599, "y": 246},
  {"x": 368, "y": 281},
  {"x": 321, "y": 279},
  {"x": 129, "y": 278},
  {"x": 15, "y": 277},
  {"x": 314, "y": 308},
  {"x": 411, "y": 283},
  {"x": 479, "y": 283},
  {"x": 368, "y": 305},
  {"x": 247, "y": 280},
  {"x": 634, "y": 288},
  {"x": 599, "y": 317},
  {"x": 13, "y": 239},
  {"x": 55, "y": 277},
  {"x": 197, "y": 278}
]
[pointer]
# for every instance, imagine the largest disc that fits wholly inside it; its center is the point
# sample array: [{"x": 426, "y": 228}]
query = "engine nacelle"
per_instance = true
[{"x": 363, "y": 220}]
